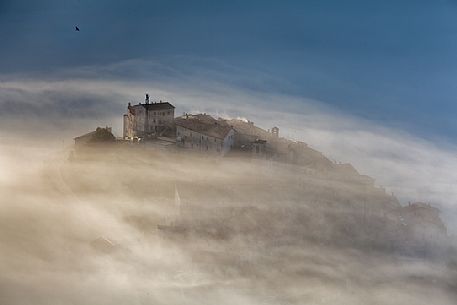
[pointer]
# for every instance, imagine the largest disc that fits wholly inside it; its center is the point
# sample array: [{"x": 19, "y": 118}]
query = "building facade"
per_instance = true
[
  {"x": 148, "y": 119},
  {"x": 258, "y": 148},
  {"x": 100, "y": 135},
  {"x": 275, "y": 131},
  {"x": 203, "y": 133}
]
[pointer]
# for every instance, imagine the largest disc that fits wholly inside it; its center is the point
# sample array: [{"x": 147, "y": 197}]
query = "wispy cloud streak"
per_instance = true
[{"x": 70, "y": 101}]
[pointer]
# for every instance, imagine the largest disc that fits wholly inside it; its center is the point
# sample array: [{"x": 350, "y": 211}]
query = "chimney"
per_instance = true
[{"x": 147, "y": 98}]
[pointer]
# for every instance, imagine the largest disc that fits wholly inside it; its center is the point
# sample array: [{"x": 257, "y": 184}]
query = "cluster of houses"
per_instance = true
[{"x": 156, "y": 122}]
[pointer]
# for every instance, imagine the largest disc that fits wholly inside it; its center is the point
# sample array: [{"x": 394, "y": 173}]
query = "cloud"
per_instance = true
[
  {"x": 49, "y": 234},
  {"x": 414, "y": 169}
]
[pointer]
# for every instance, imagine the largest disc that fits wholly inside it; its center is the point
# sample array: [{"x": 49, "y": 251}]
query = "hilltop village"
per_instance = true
[{"x": 154, "y": 125}]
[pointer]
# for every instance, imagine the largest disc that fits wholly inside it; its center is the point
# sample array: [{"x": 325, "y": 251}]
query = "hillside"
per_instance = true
[
  {"x": 251, "y": 221},
  {"x": 335, "y": 205},
  {"x": 127, "y": 222}
]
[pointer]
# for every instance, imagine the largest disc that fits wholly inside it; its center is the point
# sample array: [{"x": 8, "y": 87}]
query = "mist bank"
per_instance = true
[
  {"x": 66, "y": 104},
  {"x": 119, "y": 226}
]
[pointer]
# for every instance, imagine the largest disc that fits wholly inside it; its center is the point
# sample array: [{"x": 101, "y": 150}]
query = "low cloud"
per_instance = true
[
  {"x": 71, "y": 102},
  {"x": 85, "y": 232}
]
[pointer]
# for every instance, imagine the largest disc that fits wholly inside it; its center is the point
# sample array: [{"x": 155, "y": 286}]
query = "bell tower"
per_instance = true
[{"x": 275, "y": 131}]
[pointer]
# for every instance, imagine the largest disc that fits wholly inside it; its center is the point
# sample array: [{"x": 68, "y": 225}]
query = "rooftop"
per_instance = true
[
  {"x": 204, "y": 124},
  {"x": 98, "y": 135},
  {"x": 248, "y": 128},
  {"x": 154, "y": 106}
]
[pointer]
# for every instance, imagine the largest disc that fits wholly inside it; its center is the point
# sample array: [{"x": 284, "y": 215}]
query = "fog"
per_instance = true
[
  {"x": 63, "y": 105},
  {"x": 118, "y": 225},
  {"x": 131, "y": 225}
]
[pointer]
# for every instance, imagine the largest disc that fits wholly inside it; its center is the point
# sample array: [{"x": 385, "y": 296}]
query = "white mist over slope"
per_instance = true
[
  {"x": 414, "y": 169},
  {"x": 85, "y": 232}
]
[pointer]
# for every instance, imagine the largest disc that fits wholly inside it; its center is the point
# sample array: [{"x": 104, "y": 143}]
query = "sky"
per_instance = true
[
  {"x": 389, "y": 61},
  {"x": 366, "y": 82}
]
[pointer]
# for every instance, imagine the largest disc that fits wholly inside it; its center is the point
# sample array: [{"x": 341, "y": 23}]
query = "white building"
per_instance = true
[
  {"x": 147, "y": 119},
  {"x": 203, "y": 133}
]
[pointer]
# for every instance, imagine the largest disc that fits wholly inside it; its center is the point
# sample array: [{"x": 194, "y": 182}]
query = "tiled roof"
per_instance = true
[
  {"x": 98, "y": 135},
  {"x": 204, "y": 124},
  {"x": 86, "y": 136},
  {"x": 153, "y": 106},
  {"x": 250, "y": 129},
  {"x": 158, "y": 106}
]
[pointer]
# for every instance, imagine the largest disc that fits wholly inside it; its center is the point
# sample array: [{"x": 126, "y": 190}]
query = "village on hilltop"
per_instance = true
[{"x": 154, "y": 125}]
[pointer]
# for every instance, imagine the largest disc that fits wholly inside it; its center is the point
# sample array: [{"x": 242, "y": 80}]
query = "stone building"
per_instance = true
[
  {"x": 148, "y": 119},
  {"x": 99, "y": 135},
  {"x": 275, "y": 131},
  {"x": 258, "y": 148},
  {"x": 204, "y": 133},
  {"x": 423, "y": 220},
  {"x": 247, "y": 133}
]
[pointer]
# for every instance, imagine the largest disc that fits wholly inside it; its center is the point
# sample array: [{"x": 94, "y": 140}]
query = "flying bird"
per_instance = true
[{"x": 76, "y": 29}]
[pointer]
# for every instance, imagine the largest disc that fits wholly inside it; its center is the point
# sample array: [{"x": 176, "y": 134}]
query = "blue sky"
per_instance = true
[
  {"x": 369, "y": 65},
  {"x": 392, "y": 62}
]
